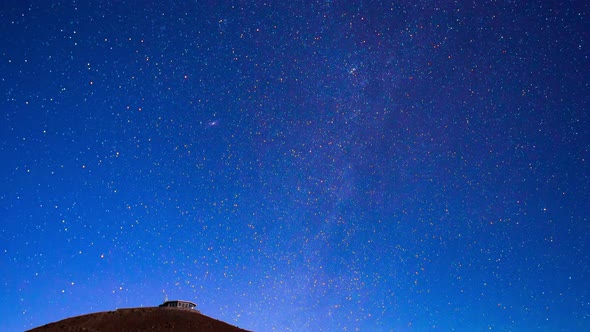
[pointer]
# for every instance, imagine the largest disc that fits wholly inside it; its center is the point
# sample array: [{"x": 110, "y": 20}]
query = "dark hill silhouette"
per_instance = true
[{"x": 140, "y": 319}]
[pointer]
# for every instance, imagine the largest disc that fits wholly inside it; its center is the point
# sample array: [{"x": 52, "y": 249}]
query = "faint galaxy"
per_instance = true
[{"x": 298, "y": 166}]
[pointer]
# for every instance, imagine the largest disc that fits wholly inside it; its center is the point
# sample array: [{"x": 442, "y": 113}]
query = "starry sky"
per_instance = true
[{"x": 297, "y": 165}]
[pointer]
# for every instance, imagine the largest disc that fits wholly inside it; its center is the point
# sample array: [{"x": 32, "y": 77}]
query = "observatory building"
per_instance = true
[{"x": 179, "y": 304}]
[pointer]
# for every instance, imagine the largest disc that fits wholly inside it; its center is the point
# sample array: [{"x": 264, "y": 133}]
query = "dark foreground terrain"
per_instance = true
[{"x": 141, "y": 319}]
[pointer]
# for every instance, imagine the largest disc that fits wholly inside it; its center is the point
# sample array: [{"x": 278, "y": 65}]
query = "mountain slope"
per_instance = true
[{"x": 141, "y": 319}]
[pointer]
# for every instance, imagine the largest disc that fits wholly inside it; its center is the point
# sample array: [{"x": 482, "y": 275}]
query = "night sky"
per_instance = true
[{"x": 298, "y": 166}]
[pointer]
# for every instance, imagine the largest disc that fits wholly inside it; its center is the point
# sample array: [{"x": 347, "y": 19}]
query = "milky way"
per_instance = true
[{"x": 297, "y": 166}]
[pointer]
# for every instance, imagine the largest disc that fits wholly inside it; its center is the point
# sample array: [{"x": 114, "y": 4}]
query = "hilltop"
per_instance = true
[{"x": 140, "y": 319}]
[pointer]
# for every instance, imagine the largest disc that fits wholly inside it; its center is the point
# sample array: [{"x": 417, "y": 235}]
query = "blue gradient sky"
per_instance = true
[{"x": 297, "y": 166}]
